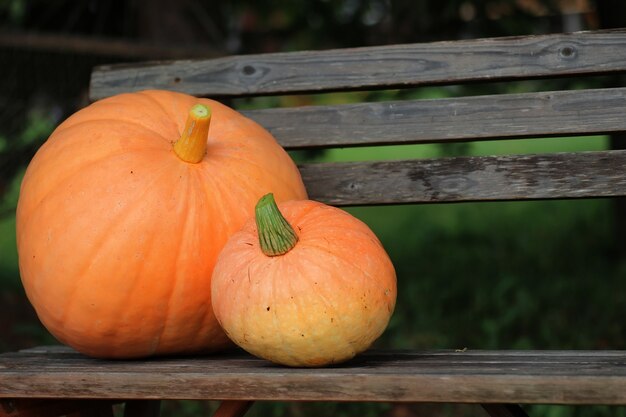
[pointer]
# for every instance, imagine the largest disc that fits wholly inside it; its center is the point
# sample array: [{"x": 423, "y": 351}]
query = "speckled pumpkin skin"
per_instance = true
[
  {"x": 117, "y": 236},
  {"x": 321, "y": 303}
]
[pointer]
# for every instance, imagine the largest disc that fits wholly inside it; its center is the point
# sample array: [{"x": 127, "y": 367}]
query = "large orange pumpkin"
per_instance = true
[
  {"x": 118, "y": 229},
  {"x": 312, "y": 288}
]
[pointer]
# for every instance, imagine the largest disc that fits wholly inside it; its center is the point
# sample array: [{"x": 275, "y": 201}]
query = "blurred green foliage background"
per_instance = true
[{"x": 541, "y": 275}]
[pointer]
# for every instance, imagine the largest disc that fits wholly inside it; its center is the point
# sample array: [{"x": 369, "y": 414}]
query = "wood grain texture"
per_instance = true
[
  {"x": 503, "y": 116},
  {"x": 487, "y": 178},
  {"x": 559, "y": 377},
  {"x": 374, "y": 67}
]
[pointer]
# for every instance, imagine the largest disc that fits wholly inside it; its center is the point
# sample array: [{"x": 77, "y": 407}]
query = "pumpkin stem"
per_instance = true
[
  {"x": 191, "y": 147},
  {"x": 276, "y": 236}
]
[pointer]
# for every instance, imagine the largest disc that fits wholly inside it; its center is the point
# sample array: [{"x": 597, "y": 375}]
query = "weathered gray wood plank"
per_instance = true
[
  {"x": 374, "y": 67},
  {"x": 560, "y": 377},
  {"x": 64, "y": 352},
  {"x": 487, "y": 178},
  {"x": 503, "y": 116}
]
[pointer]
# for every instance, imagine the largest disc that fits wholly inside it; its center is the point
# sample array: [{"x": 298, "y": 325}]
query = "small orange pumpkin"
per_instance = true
[
  {"x": 122, "y": 214},
  {"x": 312, "y": 288}
]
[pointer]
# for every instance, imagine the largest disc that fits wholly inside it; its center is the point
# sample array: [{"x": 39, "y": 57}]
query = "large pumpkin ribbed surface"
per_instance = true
[{"x": 117, "y": 236}]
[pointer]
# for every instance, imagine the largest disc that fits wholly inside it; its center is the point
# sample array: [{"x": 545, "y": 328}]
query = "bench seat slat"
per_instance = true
[
  {"x": 484, "y": 178},
  {"x": 504, "y": 116},
  {"x": 561, "y": 377},
  {"x": 374, "y": 67}
]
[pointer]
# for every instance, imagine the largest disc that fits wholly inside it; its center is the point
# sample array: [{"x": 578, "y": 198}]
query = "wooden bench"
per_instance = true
[{"x": 61, "y": 381}]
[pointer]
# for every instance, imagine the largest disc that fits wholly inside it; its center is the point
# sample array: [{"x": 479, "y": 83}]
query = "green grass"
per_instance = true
[
  {"x": 9, "y": 273},
  {"x": 8, "y": 249},
  {"x": 503, "y": 275},
  {"x": 494, "y": 147}
]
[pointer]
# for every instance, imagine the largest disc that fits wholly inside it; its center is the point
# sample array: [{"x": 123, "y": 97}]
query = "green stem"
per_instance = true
[{"x": 276, "y": 236}]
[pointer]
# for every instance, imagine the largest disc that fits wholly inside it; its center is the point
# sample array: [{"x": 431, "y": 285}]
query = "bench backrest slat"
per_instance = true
[
  {"x": 443, "y": 120},
  {"x": 501, "y": 116},
  {"x": 375, "y": 67},
  {"x": 492, "y": 178}
]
